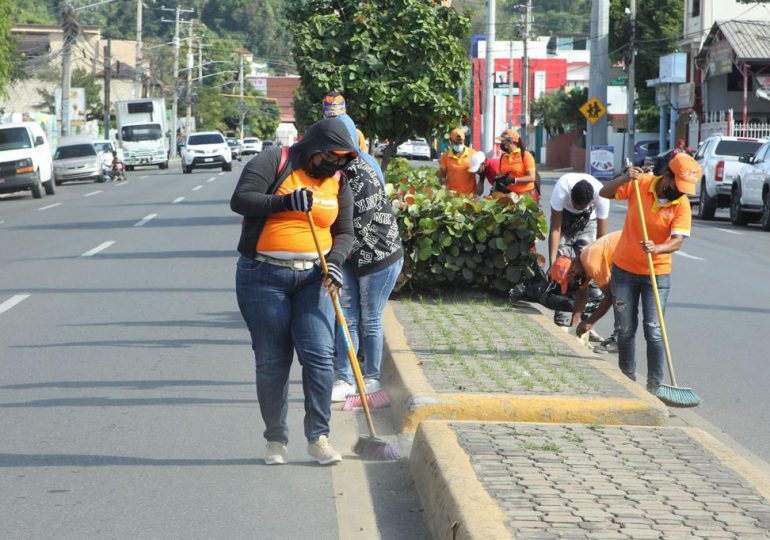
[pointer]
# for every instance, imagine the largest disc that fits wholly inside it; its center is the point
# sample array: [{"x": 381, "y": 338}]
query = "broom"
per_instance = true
[
  {"x": 371, "y": 447},
  {"x": 672, "y": 395}
]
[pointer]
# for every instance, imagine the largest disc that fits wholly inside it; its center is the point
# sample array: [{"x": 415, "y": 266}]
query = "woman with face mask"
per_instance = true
[
  {"x": 454, "y": 164},
  {"x": 282, "y": 292},
  {"x": 517, "y": 164},
  {"x": 667, "y": 214}
]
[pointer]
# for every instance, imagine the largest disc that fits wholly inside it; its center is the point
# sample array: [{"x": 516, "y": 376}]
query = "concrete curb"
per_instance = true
[
  {"x": 454, "y": 498},
  {"x": 456, "y": 504},
  {"x": 415, "y": 400}
]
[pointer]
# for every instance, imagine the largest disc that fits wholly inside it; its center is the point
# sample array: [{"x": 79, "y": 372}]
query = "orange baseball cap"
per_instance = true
[
  {"x": 457, "y": 135},
  {"x": 559, "y": 272},
  {"x": 686, "y": 172},
  {"x": 509, "y": 134}
]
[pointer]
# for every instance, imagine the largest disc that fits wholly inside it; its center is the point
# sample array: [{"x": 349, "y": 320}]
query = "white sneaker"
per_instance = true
[
  {"x": 372, "y": 385},
  {"x": 341, "y": 390},
  {"x": 276, "y": 453},
  {"x": 594, "y": 337},
  {"x": 323, "y": 452}
]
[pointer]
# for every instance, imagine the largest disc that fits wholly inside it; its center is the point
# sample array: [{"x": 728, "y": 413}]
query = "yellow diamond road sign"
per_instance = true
[{"x": 593, "y": 109}]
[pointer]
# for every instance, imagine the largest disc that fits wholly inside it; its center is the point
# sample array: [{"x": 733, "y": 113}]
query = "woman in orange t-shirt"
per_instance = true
[
  {"x": 517, "y": 164},
  {"x": 281, "y": 290}
]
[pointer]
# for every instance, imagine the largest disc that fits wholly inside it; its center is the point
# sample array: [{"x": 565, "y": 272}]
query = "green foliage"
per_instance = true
[
  {"x": 398, "y": 64},
  {"x": 562, "y": 17},
  {"x": 459, "y": 239},
  {"x": 221, "y": 112},
  {"x": 80, "y": 79},
  {"x": 6, "y": 45},
  {"x": 558, "y": 111}
]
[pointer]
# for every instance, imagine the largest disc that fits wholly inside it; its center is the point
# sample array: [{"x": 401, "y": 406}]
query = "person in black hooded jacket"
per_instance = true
[{"x": 281, "y": 290}]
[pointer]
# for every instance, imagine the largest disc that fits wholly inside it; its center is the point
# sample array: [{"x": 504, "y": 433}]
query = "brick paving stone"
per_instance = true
[{"x": 667, "y": 499}]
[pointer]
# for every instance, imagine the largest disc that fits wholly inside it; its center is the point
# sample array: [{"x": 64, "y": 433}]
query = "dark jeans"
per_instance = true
[
  {"x": 286, "y": 309},
  {"x": 628, "y": 289}
]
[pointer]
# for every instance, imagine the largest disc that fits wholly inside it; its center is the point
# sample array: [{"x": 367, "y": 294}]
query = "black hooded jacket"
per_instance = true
[{"x": 254, "y": 197}]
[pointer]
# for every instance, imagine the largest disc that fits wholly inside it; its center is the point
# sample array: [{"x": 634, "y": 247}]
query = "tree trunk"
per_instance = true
[{"x": 388, "y": 153}]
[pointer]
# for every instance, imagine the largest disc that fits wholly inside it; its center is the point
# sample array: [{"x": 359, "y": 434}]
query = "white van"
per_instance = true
[{"x": 25, "y": 159}]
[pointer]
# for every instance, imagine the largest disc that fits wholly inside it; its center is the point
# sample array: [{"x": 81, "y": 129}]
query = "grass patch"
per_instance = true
[{"x": 546, "y": 447}]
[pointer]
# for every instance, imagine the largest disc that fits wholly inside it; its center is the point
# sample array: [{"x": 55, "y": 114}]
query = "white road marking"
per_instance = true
[
  {"x": 728, "y": 231},
  {"x": 196, "y": 188},
  {"x": 145, "y": 219},
  {"x": 50, "y": 206},
  {"x": 92, "y": 193},
  {"x": 123, "y": 183},
  {"x": 97, "y": 249},
  {"x": 12, "y": 301},
  {"x": 211, "y": 179},
  {"x": 143, "y": 177},
  {"x": 1, "y": 222},
  {"x": 220, "y": 174},
  {"x": 177, "y": 200},
  {"x": 688, "y": 256}
]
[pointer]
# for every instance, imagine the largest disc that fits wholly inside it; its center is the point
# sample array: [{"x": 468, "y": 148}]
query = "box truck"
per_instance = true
[{"x": 142, "y": 132}]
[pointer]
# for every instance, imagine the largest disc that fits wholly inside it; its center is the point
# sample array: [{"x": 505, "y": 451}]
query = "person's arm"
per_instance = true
[
  {"x": 601, "y": 311},
  {"x": 342, "y": 239},
  {"x": 610, "y": 188},
  {"x": 669, "y": 246},
  {"x": 250, "y": 197},
  {"x": 554, "y": 235},
  {"x": 581, "y": 299},
  {"x": 601, "y": 227}
]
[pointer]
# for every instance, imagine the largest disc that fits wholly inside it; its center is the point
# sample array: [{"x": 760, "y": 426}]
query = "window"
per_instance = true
[
  {"x": 695, "y": 8},
  {"x": 762, "y": 153},
  {"x": 75, "y": 151},
  {"x": 736, "y": 148},
  {"x": 14, "y": 139},
  {"x": 145, "y": 132},
  {"x": 735, "y": 81},
  {"x": 209, "y": 138}
]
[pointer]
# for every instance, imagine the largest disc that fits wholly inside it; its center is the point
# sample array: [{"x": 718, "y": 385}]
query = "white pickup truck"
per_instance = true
[{"x": 718, "y": 157}]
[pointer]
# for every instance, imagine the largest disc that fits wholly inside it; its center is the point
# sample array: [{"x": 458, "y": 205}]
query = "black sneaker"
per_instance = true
[
  {"x": 609, "y": 345},
  {"x": 519, "y": 292}
]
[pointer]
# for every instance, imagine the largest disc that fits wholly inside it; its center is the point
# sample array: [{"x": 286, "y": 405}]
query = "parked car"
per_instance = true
[
  {"x": 267, "y": 144},
  {"x": 420, "y": 149},
  {"x": 404, "y": 149},
  {"x": 643, "y": 149},
  {"x": 235, "y": 147},
  {"x": 107, "y": 146},
  {"x": 25, "y": 159},
  {"x": 76, "y": 158},
  {"x": 250, "y": 146},
  {"x": 718, "y": 157},
  {"x": 750, "y": 190},
  {"x": 206, "y": 149},
  {"x": 379, "y": 149}
]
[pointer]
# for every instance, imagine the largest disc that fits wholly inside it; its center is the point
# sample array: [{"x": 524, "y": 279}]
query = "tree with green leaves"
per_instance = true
[
  {"x": 659, "y": 26},
  {"x": 81, "y": 78},
  {"x": 558, "y": 111},
  {"x": 217, "y": 111},
  {"x": 6, "y": 46},
  {"x": 398, "y": 64}
]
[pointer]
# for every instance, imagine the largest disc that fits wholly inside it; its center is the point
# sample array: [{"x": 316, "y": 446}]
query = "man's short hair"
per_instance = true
[{"x": 582, "y": 193}]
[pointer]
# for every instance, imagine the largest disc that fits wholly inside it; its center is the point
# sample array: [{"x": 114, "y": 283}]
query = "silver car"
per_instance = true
[{"x": 77, "y": 159}]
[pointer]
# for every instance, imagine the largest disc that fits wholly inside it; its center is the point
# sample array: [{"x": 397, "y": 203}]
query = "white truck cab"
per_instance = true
[{"x": 142, "y": 132}]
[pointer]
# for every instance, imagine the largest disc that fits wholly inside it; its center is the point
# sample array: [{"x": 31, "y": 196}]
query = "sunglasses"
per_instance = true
[{"x": 336, "y": 159}]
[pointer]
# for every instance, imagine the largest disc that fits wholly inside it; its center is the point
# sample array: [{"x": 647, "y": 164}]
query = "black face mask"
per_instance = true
[
  {"x": 671, "y": 193},
  {"x": 506, "y": 148},
  {"x": 323, "y": 169}
]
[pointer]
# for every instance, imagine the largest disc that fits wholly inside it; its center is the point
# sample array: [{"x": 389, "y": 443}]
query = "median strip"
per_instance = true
[
  {"x": 12, "y": 301},
  {"x": 97, "y": 249},
  {"x": 145, "y": 219}
]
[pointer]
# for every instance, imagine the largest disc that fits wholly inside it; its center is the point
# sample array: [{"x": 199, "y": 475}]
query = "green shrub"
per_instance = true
[{"x": 454, "y": 238}]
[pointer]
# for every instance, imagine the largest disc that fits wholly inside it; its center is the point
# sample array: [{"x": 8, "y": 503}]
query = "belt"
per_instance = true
[{"x": 294, "y": 264}]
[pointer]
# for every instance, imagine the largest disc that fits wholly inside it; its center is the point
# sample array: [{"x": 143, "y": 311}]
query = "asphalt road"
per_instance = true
[
  {"x": 126, "y": 379},
  {"x": 718, "y": 321}
]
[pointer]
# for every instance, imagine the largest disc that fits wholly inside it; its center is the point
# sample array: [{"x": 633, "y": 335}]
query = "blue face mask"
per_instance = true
[{"x": 457, "y": 148}]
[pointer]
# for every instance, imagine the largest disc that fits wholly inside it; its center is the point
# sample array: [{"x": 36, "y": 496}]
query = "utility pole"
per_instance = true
[
  {"x": 487, "y": 131},
  {"x": 628, "y": 151},
  {"x": 138, "y": 74},
  {"x": 107, "y": 78},
  {"x": 70, "y": 31},
  {"x": 510, "y": 83},
  {"x": 175, "y": 104},
  {"x": 241, "y": 103},
  {"x": 599, "y": 72},
  {"x": 188, "y": 122},
  {"x": 526, "y": 90}
]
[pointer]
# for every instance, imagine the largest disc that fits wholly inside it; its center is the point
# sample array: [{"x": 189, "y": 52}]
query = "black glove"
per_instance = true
[
  {"x": 334, "y": 273},
  {"x": 502, "y": 181},
  {"x": 299, "y": 200}
]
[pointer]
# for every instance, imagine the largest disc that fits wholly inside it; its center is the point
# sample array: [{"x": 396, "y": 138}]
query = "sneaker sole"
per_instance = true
[
  {"x": 275, "y": 461},
  {"x": 331, "y": 461}
]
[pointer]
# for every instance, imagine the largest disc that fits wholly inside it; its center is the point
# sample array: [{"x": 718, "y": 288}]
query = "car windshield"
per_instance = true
[
  {"x": 736, "y": 148},
  {"x": 209, "y": 138},
  {"x": 232, "y": 142},
  {"x": 14, "y": 139},
  {"x": 147, "y": 132},
  {"x": 103, "y": 147},
  {"x": 268, "y": 143},
  {"x": 250, "y": 140},
  {"x": 75, "y": 151}
]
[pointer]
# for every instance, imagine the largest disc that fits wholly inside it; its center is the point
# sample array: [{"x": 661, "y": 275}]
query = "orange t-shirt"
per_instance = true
[
  {"x": 287, "y": 235},
  {"x": 517, "y": 165},
  {"x": 663, "y": 220},
  {"x": 597, "y": 258},
  {"x": 458, "y": 178}
]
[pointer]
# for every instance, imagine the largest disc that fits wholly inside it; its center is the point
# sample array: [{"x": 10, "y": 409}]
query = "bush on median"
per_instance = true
[{"x": 460, "y": 239}]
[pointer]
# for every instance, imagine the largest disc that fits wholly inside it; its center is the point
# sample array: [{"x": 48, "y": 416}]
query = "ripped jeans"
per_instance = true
[{"x": 627, "y": 289}]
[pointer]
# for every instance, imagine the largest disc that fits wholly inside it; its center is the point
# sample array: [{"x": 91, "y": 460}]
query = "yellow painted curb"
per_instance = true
[
  {"x": 415, "y": 400},
  {"x": 456, "y": 505}
]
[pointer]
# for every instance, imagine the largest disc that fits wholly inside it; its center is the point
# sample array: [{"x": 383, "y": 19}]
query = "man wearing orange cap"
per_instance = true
[
  {"x": 455, "y": 163},
  {"x": 517, "y": 164},
  {"x": 667, "y": 214}
]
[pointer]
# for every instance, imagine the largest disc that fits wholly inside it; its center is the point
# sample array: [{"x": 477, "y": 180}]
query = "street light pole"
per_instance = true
[
  {"x": 631, "y": 91},
  {"x": 487, "y": 131},
  {"x": 241, "y": 103},
  {"x": 138, "y": 61}
]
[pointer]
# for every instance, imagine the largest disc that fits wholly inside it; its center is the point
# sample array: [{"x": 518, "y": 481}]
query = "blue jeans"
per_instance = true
[
  {"x": 363, "y": 301},
  {"x": 287, "y": 310},
  {"x": 627, "y": 289}
]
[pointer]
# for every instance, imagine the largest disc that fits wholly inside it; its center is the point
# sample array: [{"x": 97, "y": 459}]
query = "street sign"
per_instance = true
[
  {"x": 506, "y": 91},
  {"x": 593, "y": 109},
  {"x": 619, "y": 81}
]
